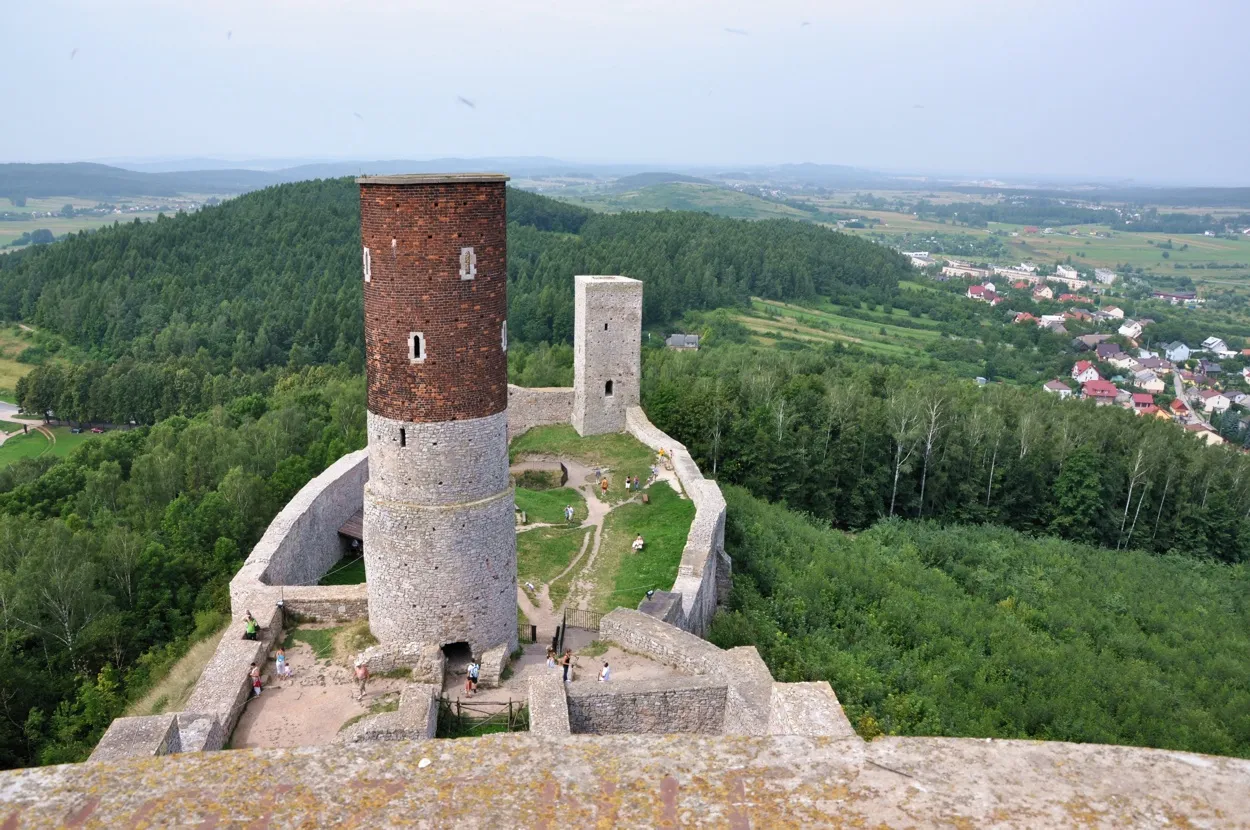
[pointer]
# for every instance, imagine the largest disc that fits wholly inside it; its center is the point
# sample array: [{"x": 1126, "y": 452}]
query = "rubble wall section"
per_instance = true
[{"x": 538, "y": 407}]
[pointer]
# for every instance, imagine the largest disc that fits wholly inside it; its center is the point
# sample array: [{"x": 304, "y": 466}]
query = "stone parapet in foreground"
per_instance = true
[{"x": 522, "y": 780}]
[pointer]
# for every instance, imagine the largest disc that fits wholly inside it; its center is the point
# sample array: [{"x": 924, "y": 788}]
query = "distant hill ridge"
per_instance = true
[{"x": 639, "y": 180}]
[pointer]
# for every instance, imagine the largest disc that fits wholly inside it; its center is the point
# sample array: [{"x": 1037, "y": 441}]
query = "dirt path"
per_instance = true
[
  {"x": 585, "y": 480},
  {"x": 308, "y": 709}
]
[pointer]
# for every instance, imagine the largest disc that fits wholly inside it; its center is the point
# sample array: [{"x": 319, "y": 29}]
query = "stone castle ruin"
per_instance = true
[{"x": 432, "y": 501}]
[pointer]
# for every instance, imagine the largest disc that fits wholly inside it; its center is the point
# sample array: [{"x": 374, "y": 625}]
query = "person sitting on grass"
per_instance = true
[{"x": 638, "y": 543}]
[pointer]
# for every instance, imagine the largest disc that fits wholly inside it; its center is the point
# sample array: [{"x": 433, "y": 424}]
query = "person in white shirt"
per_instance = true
[
  {"x": 638, "y": 543},
  {"x": 605, "y": 674}
]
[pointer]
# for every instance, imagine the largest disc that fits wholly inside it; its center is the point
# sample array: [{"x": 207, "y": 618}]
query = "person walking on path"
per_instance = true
[
  {"x": 362, "y": 678},
  {"x": 568, "y": 512},
  {"x": 551, "y": 657},
  {"x": 605, "y": 674},
  {"x": 283, "y": 668},
  {"x": 470, "y": 684},
  {"x": 254, "y": 673},
  {"x": 566, "y": 662},
  {"x": 603, "y": 485}
]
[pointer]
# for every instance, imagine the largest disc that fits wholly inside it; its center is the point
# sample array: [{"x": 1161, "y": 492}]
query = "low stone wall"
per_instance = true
[
  {"x": 807, "y": 709},
  {"x": 141, "y": 737},
  {"x": 749, "y": 685},
  {"x": 415, "y": 720},
  {"x": 635, "y": 631},
  {"x": 224, "y": 687},
  {"x": 704, "y": 564},
  {"x": 538, "y": 407},
  {"x": 667, "y": 705},
  {"x": 326, "y": 603},
  {"x": 548, "y": 705},
  {"x": 427, "y": 662},
  {"x": 200, "y": 732},
  {"x": 302, "y": 541}
]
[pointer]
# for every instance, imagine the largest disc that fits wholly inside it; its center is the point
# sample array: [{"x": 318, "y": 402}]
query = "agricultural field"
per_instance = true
[
  {"x": 691, "y": 196},
  {"x": 1190, "y": 255},
  {"x": 771, "y": 321},
  {"x": 15, "y": 339},
  {"x": 59, "y": 225}
]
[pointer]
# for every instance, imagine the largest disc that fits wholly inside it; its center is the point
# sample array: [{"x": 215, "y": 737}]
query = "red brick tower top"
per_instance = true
[{"x": 436, "y": 295}]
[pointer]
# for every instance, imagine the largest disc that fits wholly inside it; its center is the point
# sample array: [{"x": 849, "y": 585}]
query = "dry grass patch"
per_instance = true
[{"x": 174, "y": 689}]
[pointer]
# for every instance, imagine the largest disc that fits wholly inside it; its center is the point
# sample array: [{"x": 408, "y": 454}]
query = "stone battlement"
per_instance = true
[{"x": 525, "y": 780}]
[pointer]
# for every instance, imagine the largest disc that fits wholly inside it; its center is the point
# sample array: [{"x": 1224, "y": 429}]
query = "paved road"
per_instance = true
[
  {"x": 8, "y": 412},
  {"x": 1180, "y": 393}
]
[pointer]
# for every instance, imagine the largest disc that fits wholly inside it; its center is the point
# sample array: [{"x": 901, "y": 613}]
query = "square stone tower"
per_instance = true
[{"x": 607, "y": 343}]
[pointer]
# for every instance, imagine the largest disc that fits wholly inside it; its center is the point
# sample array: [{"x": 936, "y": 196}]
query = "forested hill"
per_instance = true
[{"x": 273, "y": 276}]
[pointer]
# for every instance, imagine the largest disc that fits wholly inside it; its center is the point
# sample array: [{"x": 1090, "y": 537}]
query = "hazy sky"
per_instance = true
[{"x": 1155, "y": 91}]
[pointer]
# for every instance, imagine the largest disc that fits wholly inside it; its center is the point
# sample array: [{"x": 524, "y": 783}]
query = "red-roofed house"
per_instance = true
[
  {"x": 1102, "y": 392},
  {"x": 1024, "y": 317},
  {"x": 1141, "y": 401},
  {"x": 1178, "y": 407},
  {"x": 1084, "y": 372}
]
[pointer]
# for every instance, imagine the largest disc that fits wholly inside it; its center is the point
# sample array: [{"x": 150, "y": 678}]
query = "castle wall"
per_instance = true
[
  {"x": 548, "y": 705},
  {"x": 528, "y": 780},
  {"x": 750, "y": 689},
  {"x": 704, "y": 565},
  {"x": 607, "y": 343},
  {"x": 664, "y": 706},
  {"x": 415, "y": 720},
  {"x": 538, "y": 407},
  {"x": 302, "y": 541},
  {"x": 139, "y": 737},
  {"x": 224, "y": 686}
]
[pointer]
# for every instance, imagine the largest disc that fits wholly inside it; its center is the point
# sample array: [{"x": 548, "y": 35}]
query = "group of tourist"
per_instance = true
[
  {"x": 282, "y": 667},
  {"x": 565, "y": 662}
]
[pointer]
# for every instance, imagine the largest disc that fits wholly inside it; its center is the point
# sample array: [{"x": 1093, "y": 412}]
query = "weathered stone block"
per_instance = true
[
  {"x": 494, "y": 661},
  {"x": 548, "y": 704},
  {"x": 141, "y": 737},
  {"x": 667, "y": 705}
]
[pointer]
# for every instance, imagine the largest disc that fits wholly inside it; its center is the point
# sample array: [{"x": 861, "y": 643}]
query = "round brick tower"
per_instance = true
[{"x": 439, "y": 526}]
